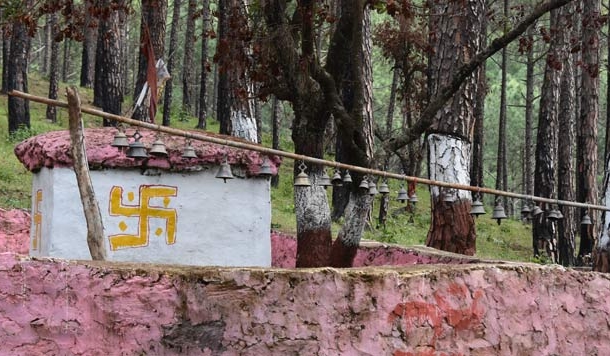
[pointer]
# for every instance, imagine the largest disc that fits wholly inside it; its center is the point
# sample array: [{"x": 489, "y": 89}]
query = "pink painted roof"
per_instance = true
[{"x": 52, "y": 149}]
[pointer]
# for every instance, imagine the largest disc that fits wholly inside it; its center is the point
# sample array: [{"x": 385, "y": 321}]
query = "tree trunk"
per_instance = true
[
  {"x": 171, "y": 58},
  {"x": 187, "y": 65},
  {"x": 6, "y": 47},
  {"x": 544, "y": 230},
  {"x": 53, "y": 69},
  {"x": 529, "y": 118},
  {"x": 48, "y": 38},
  {"x": 205, "y": 68},
  {"x": 154, "y": 16},
  {"x": 586, "y": 152},
  {"x": 108, "y": 86},
  {"x": 17, "y": 79},
  {"x": 501, "y": 177},
  {"x": 65, "y": 69},
  {"x": 235, "y": 106},
  {"x": 88, "y": 52},
  {"x": 457, "y": 40},
  {"x": 478, "y": 140},
  {"x": 565, "y": 177},
  {"x": 276, "y": 121},
  {"x": 384, "y": 204}
]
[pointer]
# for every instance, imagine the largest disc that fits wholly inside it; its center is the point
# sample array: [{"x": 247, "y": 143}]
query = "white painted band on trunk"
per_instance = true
[{"x": 449, "y": 161}]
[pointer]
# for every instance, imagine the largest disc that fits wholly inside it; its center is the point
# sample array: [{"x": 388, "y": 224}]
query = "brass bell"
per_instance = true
[
  {"x": 347, "y": 178},
  {"x": 336, "y": 180},
  {"x": 586, "y": 219},
  {"x": 265, "y": 169},
  {"x": 559, "y": 213},
  {"x": 364, "y": 184},
  {"x": 158, "y": 148},
  {"x": 137, "y": 149},
  {"x": 372, "y": 188},
  {"x": 383, "y": 188},
  {"x": 448, "y": 196},
  {"x": 554, "y": 214},
  {"x": 537, "y": 211},
  {"x": 324, "y": 180},
  {"x": 120, "y": 140},
  {"x": 189, "y": 151},
  {"x": 498, "y": 213},
  {"x": 413, "y": 198},
  {"x": 525, "y": 210},
  {"x": 477, "y": 208},
  {"x": 403, "y": 196},
  {"x": 302, "y": 180},
  {"x": 224, "y": 172}
]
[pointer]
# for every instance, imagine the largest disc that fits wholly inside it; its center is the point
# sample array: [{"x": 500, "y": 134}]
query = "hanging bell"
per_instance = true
[
  {"x": 525, "y": 210},
  {"x": 586, "y": 219},
  {"x": 413, "y": 198},
  {"x": 403, "y": 196},
  {"x": 265, "y": 169},
  {"x": 364, "y": 184},
  {"x": 372, "y": 188},
  {"x": 347, "y": 178},
  {"x": 189, "y": 151},
  {"x": 383, "y": 188},
  {"x": 302, "y": 179},
  {"x": 137, "y": 149},
  {"x": 120, "y": 140},
  {"x": 558, "y": 213},
  {"x": 477, "y": 208},
  {"x": 224, "y": 172},
  {"x": 537, "y": 211},
  {"x": 554, "y": 214},
  {"x": 448, "y": 196},
  {"x": 336, "y": 180},
  {"x": 324, "y": 180},
  {"x": 498, "y": 213},
  {"x": 158, "y": 148}
]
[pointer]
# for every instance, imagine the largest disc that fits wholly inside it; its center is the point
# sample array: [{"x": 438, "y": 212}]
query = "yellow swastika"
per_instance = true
[
  {"x": 37, "y": 220},
  {"x": 143, "y": 211}
]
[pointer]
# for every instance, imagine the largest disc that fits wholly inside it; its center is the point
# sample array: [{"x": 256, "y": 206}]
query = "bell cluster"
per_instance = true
[
  {"x": 366, "y": 185},
  {"x": 137, "y": 150}
]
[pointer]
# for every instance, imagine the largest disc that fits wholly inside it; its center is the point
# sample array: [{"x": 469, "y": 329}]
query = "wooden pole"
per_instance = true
[
  {"x": 297, "y": 157},
  {"x": 93, "y": 216}
]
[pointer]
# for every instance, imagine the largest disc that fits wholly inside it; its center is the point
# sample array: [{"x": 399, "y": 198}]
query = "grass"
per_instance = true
[{"x": 509, "y": 241}]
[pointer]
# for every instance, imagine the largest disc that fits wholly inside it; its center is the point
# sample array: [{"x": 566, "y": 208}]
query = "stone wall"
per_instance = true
[{"x": 67, "y": 308}]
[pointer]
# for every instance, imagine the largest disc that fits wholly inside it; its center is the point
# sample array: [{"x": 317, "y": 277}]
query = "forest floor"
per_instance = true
[{"x": 509, "y": 241}]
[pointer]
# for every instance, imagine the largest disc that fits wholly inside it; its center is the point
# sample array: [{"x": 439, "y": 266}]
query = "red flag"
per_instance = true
[{"x": 151, "y": 73}]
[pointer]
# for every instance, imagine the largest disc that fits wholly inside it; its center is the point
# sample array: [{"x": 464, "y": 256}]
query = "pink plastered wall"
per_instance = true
[
  {"x": 58, "y": 307},
  {"x": 51, "y": 307}
]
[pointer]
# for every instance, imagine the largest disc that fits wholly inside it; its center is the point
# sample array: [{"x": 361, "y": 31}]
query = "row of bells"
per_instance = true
[
  {"x": 366, "y": 185},
  {"x": 137, "y": 150}
]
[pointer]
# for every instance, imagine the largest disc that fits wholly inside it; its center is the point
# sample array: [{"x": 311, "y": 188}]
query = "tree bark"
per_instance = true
[
  {"x": 93, "y": 216},
  {"x": 65, "y": 69},
  {"x": 586, "y": 152},
  {"x": 108, "y": 85},
  {"x": 235, "y": 90},
  {"x": 171, "y": 58},
  {"x": 205, "y": 68},
  {"x": 501, "y": 175},
  {"x": 154, "y": 15},
  {"x": 529, "y": 119},
  {"x": 88, "y": 50},
  {"x": 53, "y": 68},
  {"x": 17, "y": 78},
  {"x": 565, "y": 187},
  {"x": 187, "y": 65},
  {"x": 6, "y": 45},
  {"x": 544, "y": 230},
  {"x": 276, "y": 121},
  {"x": 457, "y": 39}
]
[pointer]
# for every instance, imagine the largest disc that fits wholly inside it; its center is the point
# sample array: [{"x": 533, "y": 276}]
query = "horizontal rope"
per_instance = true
[{"x": 298, "y": 157}]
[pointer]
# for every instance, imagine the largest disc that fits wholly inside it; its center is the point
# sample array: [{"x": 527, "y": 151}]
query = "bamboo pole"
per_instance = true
[
  {"x": 93, "y": 216},
  {"x": 298, "y": 157}
]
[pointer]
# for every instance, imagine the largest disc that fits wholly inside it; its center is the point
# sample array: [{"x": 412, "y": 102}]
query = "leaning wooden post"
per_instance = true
[{"x": 93, "y": 216}]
